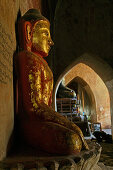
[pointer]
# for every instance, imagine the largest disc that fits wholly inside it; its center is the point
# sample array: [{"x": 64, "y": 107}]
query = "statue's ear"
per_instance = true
[{"x": 28, "y": 32}]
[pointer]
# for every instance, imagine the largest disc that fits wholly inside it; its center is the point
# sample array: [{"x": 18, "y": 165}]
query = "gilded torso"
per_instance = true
[{"x": 36, "y": 78}]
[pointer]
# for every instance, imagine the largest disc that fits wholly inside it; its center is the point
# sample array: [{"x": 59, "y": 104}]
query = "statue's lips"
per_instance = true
[{"x": 48, "y": 48}]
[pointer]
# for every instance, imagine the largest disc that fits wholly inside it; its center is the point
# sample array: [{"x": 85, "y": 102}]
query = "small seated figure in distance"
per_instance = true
[{"x": 40, "y": 125}]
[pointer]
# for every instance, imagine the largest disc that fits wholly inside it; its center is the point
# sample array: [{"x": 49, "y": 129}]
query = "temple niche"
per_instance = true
[{"x": 82, "y": 53}]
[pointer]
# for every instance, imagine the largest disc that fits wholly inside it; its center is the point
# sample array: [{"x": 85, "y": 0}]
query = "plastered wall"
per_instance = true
[{"x": 9, "y": 11}]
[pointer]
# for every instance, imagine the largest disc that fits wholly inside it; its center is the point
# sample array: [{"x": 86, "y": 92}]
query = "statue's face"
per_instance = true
[{"x": 41, "y": 39}]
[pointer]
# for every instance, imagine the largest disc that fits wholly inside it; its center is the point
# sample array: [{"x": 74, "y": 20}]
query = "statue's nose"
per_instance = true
[{"x": 51, "y": 43}]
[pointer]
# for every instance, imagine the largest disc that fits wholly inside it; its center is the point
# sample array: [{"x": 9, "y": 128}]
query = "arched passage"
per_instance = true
[
  {"x": 105, "y": 78},
  {"x": 99, "y": 89},
  {"x": 86, "y": 97}
]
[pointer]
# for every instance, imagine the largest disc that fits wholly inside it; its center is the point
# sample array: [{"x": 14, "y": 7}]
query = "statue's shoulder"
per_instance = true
[
  {"x": 33, "y": 59},
  {"x": 28, "y": 55},
  {"x": 25, "y": 53}
]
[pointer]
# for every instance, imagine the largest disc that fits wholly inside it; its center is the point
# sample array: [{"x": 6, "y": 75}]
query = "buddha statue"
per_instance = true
[{"x": 39, "y": 124}]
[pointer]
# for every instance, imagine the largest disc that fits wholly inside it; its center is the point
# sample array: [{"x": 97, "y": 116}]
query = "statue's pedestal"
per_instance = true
[{"x": 86, "y": 160}]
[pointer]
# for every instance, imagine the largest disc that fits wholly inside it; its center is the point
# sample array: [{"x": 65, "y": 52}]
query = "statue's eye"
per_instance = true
[{"x": 46, "y": 33}]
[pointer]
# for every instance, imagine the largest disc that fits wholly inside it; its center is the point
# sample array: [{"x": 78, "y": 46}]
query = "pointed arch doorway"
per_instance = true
[
  {"x": 99, "y": 79},
  {"x": 86, "y": 98},
  {"x": 98, "y": 90}
]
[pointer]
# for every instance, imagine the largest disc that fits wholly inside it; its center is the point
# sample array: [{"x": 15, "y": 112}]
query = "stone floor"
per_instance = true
[{"x": 107, "y": 154}]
